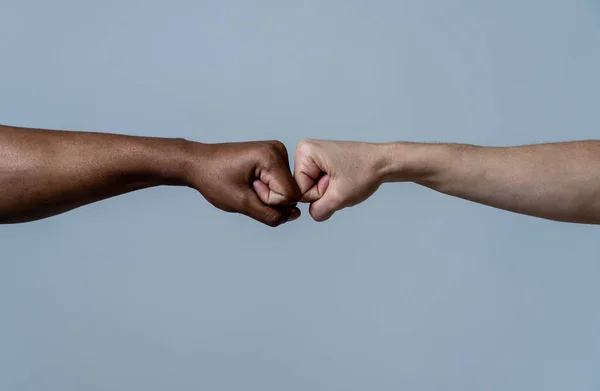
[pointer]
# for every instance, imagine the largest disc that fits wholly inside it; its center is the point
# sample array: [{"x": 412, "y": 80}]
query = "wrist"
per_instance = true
[
  {"x": 170, "y": 159},
  {"x": 414, "y": 162}
]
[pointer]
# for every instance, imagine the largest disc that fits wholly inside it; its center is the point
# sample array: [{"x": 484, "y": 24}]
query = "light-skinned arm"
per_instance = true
[
  {"x": 557, "y": 181},
  {"x": 47, "y": 172}
]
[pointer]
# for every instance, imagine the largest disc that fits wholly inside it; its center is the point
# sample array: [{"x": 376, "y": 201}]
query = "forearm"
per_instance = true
[
  {"x": 44, "y": 172},
  {"x": 558, "y": 181}
]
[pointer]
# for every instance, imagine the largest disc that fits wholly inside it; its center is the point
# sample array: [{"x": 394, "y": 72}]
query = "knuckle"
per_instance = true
[
  {"x": 307, "y": 151},
  {"x": 278, "y": 145},
  {"x": 269, "y": 153},
  {"x": 305, "y": 145},
  {"x": 307, "y": 141}
]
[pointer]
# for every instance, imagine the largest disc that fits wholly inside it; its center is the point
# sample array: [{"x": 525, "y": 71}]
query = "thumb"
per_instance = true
[
  {"x": 326, "y": 206},
  {"x": 317, "y": 191},
  {"x": 308, "y": 169}
]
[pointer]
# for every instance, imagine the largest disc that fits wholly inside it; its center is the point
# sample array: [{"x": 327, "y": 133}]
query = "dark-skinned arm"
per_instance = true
[{"x": 47, "y": 172}]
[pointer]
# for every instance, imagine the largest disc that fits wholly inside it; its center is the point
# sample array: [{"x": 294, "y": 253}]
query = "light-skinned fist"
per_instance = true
[{"x": 333, "y": 175}]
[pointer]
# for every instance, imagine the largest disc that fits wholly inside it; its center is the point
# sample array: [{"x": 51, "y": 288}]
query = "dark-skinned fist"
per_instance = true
[{"x": 251, "y": 178}]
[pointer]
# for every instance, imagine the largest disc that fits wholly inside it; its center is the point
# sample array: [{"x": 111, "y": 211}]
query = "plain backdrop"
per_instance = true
[{"x": 412, "y": 290}]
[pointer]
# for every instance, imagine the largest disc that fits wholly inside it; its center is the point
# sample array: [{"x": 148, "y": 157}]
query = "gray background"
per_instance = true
[{"x": 412, "y": 290}]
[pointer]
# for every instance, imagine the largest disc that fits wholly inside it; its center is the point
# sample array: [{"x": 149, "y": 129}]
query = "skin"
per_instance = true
[
  {"x": 47, "y": 172},
  {"x": 558, "y": 181}
]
